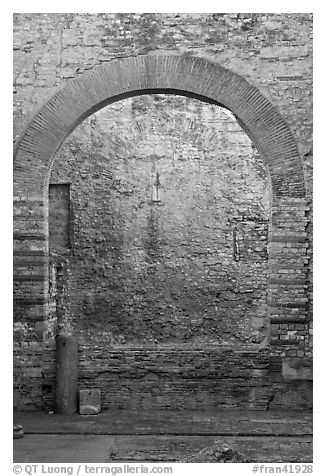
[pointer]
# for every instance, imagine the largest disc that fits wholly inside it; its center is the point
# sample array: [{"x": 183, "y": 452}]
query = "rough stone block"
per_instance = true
[
  {"x": 297, "y": 369},
  {"x": 257, "y": 322},
  {"x": 90, "y": 401},
  {"x": 18, "y": 432}
]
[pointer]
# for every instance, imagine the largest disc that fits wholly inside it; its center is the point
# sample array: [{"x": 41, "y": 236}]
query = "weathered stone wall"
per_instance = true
[
  {"x": 273, "y": 52},
  {"x": 172, "y": 377},
  {"x": 191, "y": 267}
]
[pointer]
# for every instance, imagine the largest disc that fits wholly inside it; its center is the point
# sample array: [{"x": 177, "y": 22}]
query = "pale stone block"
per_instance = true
[{"x": 90, "y": 401}]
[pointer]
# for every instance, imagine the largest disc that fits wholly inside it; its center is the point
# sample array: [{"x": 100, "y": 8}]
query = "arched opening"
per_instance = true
[
  {"x": 188, "y": 76},
  {"x": 198, "y": 79}
]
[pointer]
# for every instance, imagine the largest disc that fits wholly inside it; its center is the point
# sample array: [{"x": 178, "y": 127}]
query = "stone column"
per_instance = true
[{"x": 66, "y": 374}]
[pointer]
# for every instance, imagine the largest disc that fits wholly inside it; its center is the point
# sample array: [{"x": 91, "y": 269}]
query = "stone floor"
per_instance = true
[{"x": 162, "y": 436}]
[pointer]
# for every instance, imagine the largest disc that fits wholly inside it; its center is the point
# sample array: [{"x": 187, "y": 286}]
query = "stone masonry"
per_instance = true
[{"x": 163, "y": 207}]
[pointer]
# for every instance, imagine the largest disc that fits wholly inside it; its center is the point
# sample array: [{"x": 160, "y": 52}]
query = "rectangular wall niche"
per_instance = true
[{"x": 59, "y": 217}]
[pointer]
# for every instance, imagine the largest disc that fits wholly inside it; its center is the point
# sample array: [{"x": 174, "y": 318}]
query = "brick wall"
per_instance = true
[{"x": 272, "y": 52}]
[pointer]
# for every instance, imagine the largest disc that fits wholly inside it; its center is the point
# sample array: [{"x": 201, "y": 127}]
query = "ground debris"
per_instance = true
[{"x": 219, "y": 452}]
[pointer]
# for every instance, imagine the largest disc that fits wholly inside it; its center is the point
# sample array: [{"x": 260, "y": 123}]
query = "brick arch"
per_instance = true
[
  {"x": 193, "y": 77},
  {"x": 188, "y": 76}
]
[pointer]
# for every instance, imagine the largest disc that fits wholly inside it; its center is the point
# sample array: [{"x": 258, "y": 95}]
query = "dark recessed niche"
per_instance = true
[{"x": 59, "y": 217}]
